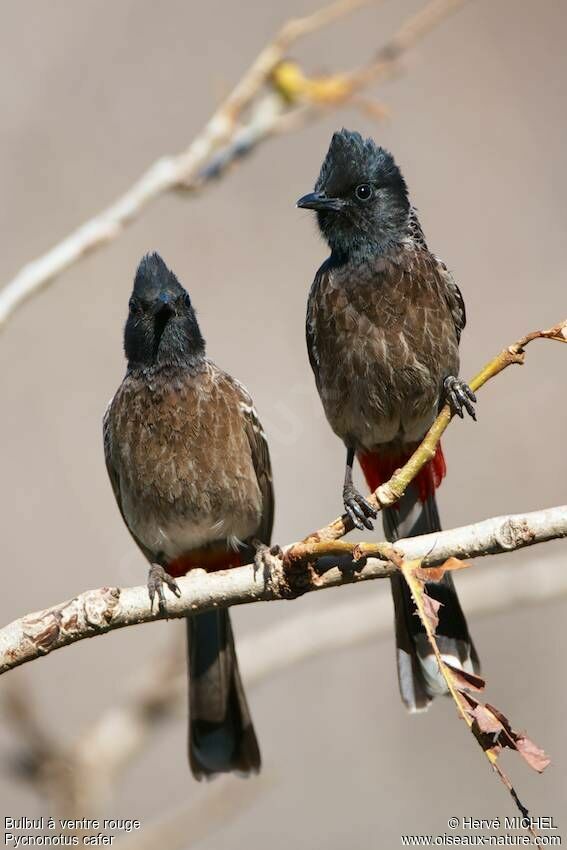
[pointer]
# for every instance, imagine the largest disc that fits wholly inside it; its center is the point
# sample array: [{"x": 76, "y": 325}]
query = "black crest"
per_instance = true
[{"x": 352, "y": 161}]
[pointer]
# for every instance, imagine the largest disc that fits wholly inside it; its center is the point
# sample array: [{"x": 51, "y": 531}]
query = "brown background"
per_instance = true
[{"x": 90, "y": 94}]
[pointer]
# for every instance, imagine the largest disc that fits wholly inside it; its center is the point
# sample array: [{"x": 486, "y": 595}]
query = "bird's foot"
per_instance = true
[
  {"x": 264, "y": 557},
  {"x": 358, "y": 509},
  {"x": 157, "y": 577},
  {"x": 458, "y": 395}
]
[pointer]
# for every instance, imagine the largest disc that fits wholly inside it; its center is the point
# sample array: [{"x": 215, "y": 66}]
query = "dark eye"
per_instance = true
[
  {"x": 135, "y": 306},
  {"x": 363, "y": 192}
]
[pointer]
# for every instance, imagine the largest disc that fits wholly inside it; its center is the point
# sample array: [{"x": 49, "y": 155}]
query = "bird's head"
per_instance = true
[
  {"x": 162, "y": 327},
  {"x": 360, "y": 196}
]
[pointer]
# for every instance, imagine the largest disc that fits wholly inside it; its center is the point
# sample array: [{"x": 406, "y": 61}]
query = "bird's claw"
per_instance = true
[
  {"x": 459, "y": 395},
  {"x": 358, "y": 509},
  {"x": 157, "y": 577}
]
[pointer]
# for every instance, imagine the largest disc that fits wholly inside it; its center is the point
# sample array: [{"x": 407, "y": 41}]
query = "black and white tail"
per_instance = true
[{"x": 418, "y": 672}]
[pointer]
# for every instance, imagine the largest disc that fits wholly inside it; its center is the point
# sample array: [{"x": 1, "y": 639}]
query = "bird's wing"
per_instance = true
[
  {"x": 454, "y": 298},
  {"x": 113, "y": 472},
  {"x": 452, "y": 292},
  {"x": 311, "y": 320},
  {"x": 416, "y": 230},
  {"x": 110, "y": 467},
  {"x": 260, "y": 455}
]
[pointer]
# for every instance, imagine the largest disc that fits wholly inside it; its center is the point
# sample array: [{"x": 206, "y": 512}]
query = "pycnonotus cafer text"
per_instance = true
[
  {"x": 384, "y": 320},
  {"x": 190, "y": 469}
]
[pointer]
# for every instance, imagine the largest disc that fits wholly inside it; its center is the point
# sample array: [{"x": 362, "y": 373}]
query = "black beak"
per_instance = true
[
  {"x": 164, "y": 305},
  {"x": 319, "y": 201}
]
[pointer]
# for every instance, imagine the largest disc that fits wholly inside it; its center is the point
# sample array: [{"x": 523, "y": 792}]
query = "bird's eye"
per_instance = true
[
  {"x": 363, "y": 192},
  {"x": 135, "y": 305}
]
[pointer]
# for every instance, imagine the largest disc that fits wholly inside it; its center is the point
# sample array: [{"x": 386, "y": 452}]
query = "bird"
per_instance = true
[
  {"x": 383, "y": 326},
  {"x": 190, "y": 468}
]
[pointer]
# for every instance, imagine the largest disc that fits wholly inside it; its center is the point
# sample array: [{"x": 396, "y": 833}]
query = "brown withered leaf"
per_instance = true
[
  {"x": 486, "y": 721},
  {"x": 494, "y": 732},
  {"x": 533, "y": 754},
  {"x": 437, "y": 573},
  {"x": 431, "y": 608},
  {"x": 466, "y": 680}
]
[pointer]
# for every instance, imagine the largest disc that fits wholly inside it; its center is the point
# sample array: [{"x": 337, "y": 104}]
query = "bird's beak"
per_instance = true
[
  {"x": 165, "y": 304},
  {"x": 319, "y": 201}
]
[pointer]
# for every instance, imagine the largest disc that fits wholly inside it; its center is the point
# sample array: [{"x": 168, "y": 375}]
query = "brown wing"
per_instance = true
[
  {"x": 311, "y": 320},
  {"x": 260, "y": 454},
  {"x": 454, "y": 298},
  {"x": 114, "y": 476},
  {"x": 110, "y": 468},
  {"x": 415, "y": 230},
  {"x": 453, "y": 293}
]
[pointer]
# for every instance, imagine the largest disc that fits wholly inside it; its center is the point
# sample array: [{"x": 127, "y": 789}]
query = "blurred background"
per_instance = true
[{"x": 90, "y": 94}]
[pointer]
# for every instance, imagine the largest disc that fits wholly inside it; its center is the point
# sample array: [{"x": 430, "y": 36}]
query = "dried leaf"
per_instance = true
[
  {"x": 492, "y": 723},
  {"x": 486, "y": 721},
  {"x": 437, "y": 573},
  {"x": 466, "y": 680},
  {"x": 533, "y": 754},
  {"x": 292, "y": 84},
  {"x": 431, "y": 608},
  {"x": 455, "y": 564}
]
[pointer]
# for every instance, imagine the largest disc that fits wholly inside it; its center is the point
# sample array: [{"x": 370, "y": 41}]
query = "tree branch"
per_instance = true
[
  {"x": 96, "y": 612},
  {"x": 274, "y": 100}
]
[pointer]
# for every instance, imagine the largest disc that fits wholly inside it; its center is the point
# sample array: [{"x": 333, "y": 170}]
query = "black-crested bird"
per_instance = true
[
  {"x": 190, "y": 468},
  {"x": 384, "y": 320}
]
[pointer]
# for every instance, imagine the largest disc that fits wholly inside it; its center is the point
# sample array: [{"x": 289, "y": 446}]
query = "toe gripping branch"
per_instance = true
[
  {"x": 459, "y": 396},
  {"x": 358, "y": 509},
  {"x": 157, "y": 577}
]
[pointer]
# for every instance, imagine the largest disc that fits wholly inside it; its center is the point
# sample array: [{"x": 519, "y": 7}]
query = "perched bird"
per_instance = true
[
  {"x": 190, "y": 468},
  {"x": 384, "y": 320}
]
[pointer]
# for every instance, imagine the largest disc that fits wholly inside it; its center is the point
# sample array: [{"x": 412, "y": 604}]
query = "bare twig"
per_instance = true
[
  {"x": 99, "y": 611},
  {"x": 275, "y": 103}
]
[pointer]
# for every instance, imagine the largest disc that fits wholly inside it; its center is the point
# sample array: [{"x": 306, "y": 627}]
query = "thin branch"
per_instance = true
[
  {"x": 96, "y": 612},
  {"x": 274, "y": 107},
  {"x": 390, "y": 492}
]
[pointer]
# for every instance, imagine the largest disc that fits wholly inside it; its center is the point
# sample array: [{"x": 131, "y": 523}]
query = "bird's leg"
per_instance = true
[
  {"x": 457, "y": 394},
  {"x": 356, "y": 506},
  {"x": 157, "y": 577}
]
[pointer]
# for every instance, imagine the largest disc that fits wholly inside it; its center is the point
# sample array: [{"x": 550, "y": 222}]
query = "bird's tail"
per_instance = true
[
  {"x": 416, "y": 513},
  {"x": 221, "y": 734}
]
